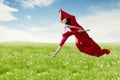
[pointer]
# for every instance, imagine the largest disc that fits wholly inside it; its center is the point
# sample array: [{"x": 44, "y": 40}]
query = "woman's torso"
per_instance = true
[{"x": 64, "y": 28}]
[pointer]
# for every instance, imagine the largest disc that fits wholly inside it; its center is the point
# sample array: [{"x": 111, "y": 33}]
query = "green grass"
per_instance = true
[{"x": 31, "y": 61}]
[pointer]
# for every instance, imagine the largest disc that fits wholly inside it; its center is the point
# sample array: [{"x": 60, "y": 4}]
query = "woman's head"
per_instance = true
[{"x": 66, "y": 20}]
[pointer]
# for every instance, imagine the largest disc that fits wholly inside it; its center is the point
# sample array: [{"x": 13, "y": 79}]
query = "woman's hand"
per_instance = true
[{"x": 88, "y": 30}]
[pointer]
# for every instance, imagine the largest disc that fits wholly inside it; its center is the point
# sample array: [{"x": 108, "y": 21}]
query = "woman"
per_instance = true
[{"x": 66, "y": 32}]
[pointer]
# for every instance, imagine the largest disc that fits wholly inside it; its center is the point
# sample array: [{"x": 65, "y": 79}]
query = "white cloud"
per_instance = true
[
  {"x": 104, "y": 25},
  {"x": 1, "y": 1},
  {"x": 35, "y": 29},
  {"x": 6, "y": 12},
  {"x": 7, "y": 34},
  {"x": 28, "y": 16},
  {"x": 33, "y": 3}
]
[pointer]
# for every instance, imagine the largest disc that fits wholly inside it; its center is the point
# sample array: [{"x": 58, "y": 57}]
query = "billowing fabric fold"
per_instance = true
[{"x": 84, "y": 43}]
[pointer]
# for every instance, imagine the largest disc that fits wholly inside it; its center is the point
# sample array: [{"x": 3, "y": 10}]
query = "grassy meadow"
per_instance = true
[{"x": 32, "y": 61}]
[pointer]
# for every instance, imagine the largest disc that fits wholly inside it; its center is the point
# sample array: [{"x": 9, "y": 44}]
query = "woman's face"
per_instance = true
[{"x": 64, "y": 20}]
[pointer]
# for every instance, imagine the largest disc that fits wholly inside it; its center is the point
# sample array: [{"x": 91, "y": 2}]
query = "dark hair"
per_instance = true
[{"x": 68, "y": 21}]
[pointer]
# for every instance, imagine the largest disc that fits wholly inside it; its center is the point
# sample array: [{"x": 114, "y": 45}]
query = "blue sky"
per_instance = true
[{"x": 38, "y": 20}]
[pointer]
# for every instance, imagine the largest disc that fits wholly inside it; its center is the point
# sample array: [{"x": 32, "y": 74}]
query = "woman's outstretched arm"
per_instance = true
[
  {"x": 79, "y": 29},
  {"x": 74, "y": 27}
]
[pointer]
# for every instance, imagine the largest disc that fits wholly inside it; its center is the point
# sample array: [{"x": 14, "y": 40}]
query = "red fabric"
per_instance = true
[{"x": 84, "y": 43}]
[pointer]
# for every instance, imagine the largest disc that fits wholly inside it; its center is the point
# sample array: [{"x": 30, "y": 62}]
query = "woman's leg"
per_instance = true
[
  {"x": 66, "y": 35},
  {"x": 64, "y": 38},
  {"x": 56, "y": 52}
]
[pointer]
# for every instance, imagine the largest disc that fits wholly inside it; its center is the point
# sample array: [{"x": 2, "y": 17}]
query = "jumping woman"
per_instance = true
[{"x": 66, "y": 32}]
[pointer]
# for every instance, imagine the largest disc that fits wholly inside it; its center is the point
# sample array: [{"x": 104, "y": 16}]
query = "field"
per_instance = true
[{"x": 32, "y": 61}]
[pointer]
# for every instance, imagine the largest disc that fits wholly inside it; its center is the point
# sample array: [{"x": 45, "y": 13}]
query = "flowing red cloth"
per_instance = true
[{"x": 84, "y": 43}]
